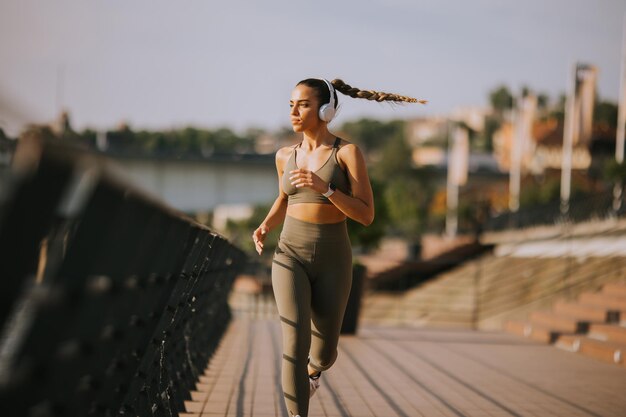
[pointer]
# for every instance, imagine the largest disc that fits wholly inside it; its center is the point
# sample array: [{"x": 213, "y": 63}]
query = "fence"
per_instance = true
[
  {"x": 596, "y": 206},
  {"x": 110, "y": 302}
]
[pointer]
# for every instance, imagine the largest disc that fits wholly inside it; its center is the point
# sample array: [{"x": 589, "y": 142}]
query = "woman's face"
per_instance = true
[{"x": 304, "y": 109}]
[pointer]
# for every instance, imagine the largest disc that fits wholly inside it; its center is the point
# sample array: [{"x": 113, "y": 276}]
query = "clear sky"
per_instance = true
[{"x": 208, "y": 63}]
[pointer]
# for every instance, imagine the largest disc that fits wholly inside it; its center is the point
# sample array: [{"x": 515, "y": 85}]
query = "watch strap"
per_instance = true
[{"x": 331, "y": 190}]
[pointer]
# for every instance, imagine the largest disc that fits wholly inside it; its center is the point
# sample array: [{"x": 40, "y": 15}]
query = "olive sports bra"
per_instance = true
[{"x": 329, "y": 172}]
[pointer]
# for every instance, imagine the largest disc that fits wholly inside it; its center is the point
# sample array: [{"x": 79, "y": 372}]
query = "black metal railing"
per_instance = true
[
  {"x": 588, "y": 207},
  {"x": 110, "y": 302}
]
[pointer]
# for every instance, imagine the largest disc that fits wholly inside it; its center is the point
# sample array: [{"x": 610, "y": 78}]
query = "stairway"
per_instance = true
[
  {"x": 485, "y": 292},
  {"x": 594, "y": 325}
]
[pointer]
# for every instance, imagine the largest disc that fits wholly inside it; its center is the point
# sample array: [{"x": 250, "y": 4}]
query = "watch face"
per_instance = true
[{"x": 332, "y": 186}]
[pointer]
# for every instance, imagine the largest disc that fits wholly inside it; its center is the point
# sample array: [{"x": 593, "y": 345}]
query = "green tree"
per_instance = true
[
  {"x": 501, "y": 99},
  {"x": 541, "y": 193},
  {"x": 407, "y": 198},
  {"x": 558, "y": 110},
  {"x": 615, "y": 171},
  {"x": 485, "y": 138},
  {"x": 404, "y": 190},
  {"x": 396, "y": 159},
  {"x": 371, "y": 134},
  {"x": 605, "y": 113},
  {"x": 543, "y": 101}
]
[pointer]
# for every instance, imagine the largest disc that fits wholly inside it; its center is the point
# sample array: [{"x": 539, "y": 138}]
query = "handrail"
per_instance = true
[
  {"x": 111, "y": 301},
  {"x": 598, "y": 206}
]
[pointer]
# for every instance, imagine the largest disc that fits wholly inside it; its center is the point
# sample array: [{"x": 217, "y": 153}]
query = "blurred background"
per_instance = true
[{"x": 189, "y": 103}]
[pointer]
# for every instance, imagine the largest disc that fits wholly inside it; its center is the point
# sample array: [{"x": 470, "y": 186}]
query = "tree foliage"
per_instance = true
[
  {"x": 605, "y": 113},
  {"x": 492, "y": 124},
  {"x": 407, "y": 198},
  {"x": 615, "y": 171},
  {"x": 372, "y": 135},
  {"x": 501, "y": 99},
  {"x": 403, "y": 190},
  {"x": 176, "y": 142},
  {"x": 395, "y": 158},
  {"x": 540, "y": 193}
]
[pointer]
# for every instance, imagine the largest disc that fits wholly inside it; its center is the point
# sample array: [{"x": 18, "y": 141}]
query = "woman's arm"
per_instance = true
[
  {"x": 277, "y": 212},
  {"x": 359, "y": 206}
]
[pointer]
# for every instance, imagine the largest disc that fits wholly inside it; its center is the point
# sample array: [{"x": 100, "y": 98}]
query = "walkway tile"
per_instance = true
[{"x": 410, "y": 372}]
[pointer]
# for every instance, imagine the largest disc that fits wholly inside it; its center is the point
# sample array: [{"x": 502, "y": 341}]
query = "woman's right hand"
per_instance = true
[{"x": 258, "y": 236}]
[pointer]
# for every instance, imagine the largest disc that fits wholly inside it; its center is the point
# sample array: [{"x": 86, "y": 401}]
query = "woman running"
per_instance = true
[{"x": 321, "y": 181}]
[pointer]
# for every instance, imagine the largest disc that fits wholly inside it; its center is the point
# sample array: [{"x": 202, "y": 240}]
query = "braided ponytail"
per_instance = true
[{"x": 353, "y": 92}]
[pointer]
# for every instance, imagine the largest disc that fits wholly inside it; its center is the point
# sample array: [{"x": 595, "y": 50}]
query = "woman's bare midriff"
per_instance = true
[{"x": 315, "y": 213}]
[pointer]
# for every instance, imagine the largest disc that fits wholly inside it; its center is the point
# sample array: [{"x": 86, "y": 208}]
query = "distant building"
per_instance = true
[
  {"x": 472, "y": 116},
  {"x": 545, "y": 151},
  {"x": 548, "y": 137},
  {"x": 429, "y": 156},
  {"x": 427, "y": 131},
  {"x": 434, "y": 130}
]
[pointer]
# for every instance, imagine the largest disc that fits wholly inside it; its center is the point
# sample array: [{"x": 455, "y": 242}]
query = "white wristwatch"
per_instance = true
[{"x": 331, "y": 190}]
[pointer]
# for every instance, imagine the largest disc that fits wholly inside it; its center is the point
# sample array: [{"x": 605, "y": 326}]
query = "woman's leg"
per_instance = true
[
  {"x": 329, "y": 296},
  {"x": 292, "y": 291}
]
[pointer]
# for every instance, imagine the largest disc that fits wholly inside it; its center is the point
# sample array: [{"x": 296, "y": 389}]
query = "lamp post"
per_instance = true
[
  {"x": 621, "y": 125},
  {"x": 458, "y": 160}
]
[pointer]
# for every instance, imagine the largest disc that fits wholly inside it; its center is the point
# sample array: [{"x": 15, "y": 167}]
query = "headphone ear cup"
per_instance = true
[{"x": 326, "y": 112}]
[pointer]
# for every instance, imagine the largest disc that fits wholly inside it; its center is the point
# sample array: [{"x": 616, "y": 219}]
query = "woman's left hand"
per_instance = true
[{"x": 304, "y": 178}]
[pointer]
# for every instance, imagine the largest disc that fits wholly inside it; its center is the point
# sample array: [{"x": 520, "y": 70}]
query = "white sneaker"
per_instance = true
[{"x": 314, "y": 384}]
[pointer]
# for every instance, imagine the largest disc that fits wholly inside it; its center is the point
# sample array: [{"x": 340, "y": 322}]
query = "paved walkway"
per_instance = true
[{"x": 407, "y": 372}]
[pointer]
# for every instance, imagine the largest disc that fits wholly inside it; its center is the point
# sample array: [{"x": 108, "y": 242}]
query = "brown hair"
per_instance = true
[
  {"x": 323, "y": 94},
  {"x": 354, "y": 92}
]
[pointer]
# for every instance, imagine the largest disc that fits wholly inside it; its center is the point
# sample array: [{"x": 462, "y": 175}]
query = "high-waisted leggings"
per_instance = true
[{"x": 311, "y": 278}]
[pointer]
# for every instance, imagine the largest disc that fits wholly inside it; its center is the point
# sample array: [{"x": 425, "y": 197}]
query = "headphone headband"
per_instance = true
[
  {"x": 327, "y": 111},
  {"x": 331, "y": 89}
]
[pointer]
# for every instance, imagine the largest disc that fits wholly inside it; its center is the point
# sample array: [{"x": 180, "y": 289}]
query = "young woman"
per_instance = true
[{"x": 321, "y": 181}]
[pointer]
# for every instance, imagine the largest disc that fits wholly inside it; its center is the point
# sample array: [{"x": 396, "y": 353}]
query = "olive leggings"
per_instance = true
[{"x": 311, "y": 278}]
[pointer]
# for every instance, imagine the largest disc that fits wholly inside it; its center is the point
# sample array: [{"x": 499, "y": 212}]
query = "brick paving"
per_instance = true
[{"x": 407, "y": 372}]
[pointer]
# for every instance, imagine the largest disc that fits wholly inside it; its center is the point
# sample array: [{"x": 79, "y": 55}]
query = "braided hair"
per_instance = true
[
  {"x": 339, "y": 85},
  {"x": 354, "y": 92}
]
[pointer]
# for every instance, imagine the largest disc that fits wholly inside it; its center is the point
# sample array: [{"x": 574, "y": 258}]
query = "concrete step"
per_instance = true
[
  {"x": 608, "y": 332},
  {"x": 603, "y": 300},
  {"x": 518, "y": 327},
  {"x": 557, "y": 322},
  {"x": 615, "y": 289},
  {"x": 605, "y": 351},
  {"x": 532, "y": 331},
  {"x": 569, "y": 342},
  {"x": 586, "y": 312}
]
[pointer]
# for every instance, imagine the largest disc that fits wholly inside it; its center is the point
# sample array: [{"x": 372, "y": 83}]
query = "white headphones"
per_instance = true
[{"x": 327, "y": 111}]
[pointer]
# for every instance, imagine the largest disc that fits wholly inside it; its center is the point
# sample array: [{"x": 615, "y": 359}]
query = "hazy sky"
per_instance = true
[{"x": 160, "y": 64}]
